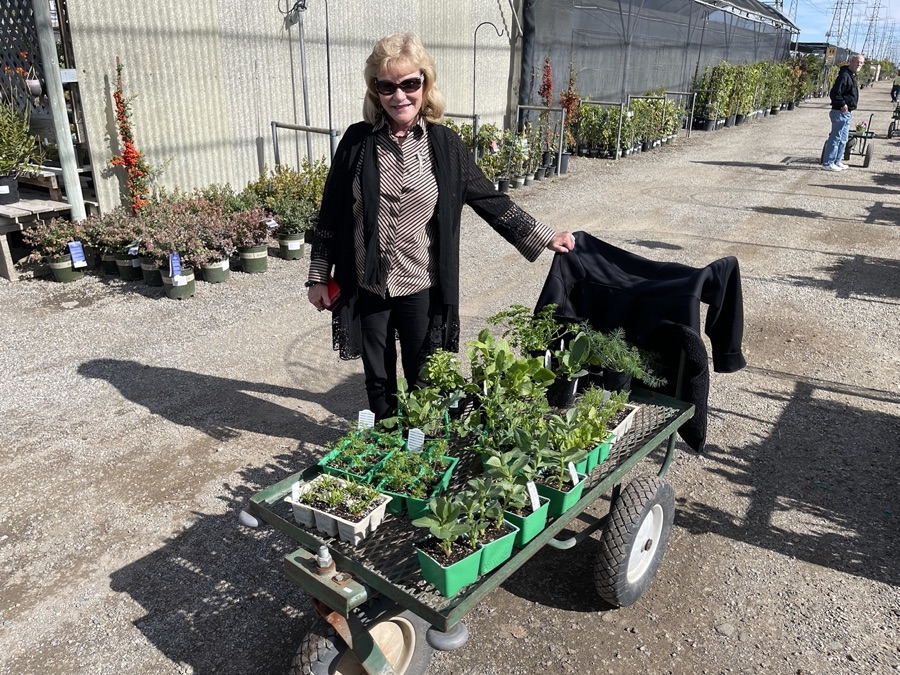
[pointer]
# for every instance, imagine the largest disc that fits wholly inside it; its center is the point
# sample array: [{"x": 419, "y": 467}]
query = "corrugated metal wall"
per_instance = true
[{"x": 211, "y": 75}]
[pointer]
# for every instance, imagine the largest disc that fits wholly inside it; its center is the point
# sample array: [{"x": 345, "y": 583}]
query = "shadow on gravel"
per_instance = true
[
  {"x": 787, "y": 211},
  {"x": 755, "y": 165},
  {"x": 881, "y": 214},
  {"x": 215, "y": 597},
  {"x": 888, "y": 179},
  {"x": 859, "y": 277},
  {"x": 843, "y": 187},
  {"x": 657, "y": 245},
  {"x": 821, "y": 488},
  {"x": 222, "y": 407}
]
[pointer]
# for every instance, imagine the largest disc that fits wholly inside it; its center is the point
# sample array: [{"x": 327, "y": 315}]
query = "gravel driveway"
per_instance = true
[{"x": 134, "y": 428}]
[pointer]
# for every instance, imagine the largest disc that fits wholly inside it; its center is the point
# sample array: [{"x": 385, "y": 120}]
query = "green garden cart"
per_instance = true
[
  {"x": 859, "y": 143},
  {"x": 379, "y": 616}
]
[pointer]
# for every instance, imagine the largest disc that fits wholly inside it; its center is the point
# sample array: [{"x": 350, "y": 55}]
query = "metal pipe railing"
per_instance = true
[{"x": 331, "y": 133}]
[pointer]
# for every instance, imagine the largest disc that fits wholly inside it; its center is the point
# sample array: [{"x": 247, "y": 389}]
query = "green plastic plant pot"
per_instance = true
[
  {"x": 397, "y": 505},
  {"x": 560, "y": 502},
  {"x": 449, "y": 580},
  {"x": 531, "y": 525},
  {"x": 604, "y": 448},
  {"x": 365, "y": 475},
  {"x": 290, "y": 246},
  {"x": 497, "y": 552},
  {"x": 217, "y": 272},
  {"x": 254, "y": 259},
  {"x": 150, "y": 271},
  {"x": 592, "y": 459},
  {"x": 108, "y": 264},
  {"x": 63, "y": 271},
  {"x": 129, "y": 267},
  {"x": 181, "y": 289}
]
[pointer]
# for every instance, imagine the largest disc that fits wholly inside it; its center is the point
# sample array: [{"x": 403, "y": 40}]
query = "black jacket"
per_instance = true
[
  {"x": 844, "y": 91},
  {"x": 658, "y": 305},
  {"x": 460, "y": 182}
]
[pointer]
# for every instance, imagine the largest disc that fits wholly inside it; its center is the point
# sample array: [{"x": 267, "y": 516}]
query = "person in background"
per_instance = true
[
  {"x": 389, "y": 226},
  {"x": 895, "y": 89},
  {"x": 844, "y": 97}
]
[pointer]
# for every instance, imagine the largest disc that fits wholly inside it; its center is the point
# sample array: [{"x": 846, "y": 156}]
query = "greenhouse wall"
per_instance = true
[
  {"x": 620, "y": 48},
  {"x": 209, "y": 76}
]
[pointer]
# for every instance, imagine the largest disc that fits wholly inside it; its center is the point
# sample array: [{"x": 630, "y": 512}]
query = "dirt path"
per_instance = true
[{"x": 134, "y": 428}]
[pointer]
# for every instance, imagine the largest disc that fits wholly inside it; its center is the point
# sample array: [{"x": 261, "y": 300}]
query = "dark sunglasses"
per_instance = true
[{"x": 409, "y": 86}]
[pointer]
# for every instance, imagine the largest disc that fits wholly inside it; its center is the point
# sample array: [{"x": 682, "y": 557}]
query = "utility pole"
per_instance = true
[{"x": 872, "y": 33}]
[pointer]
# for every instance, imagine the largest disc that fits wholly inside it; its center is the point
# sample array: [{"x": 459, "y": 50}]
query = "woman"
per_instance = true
[
  {"x": 388, "y": 230},
  {"x": 895, "y": 87}
]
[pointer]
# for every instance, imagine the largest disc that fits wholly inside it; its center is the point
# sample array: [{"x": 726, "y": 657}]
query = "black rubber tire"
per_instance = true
[
  {"x": 625, "y": 566},
  {"x": 868, "y": 156},
  {"x": 891, "y": 128},
  {"x": 822, "y": 158},
  {"x": 850, "y": 145},
  {"x": 323, "y": 652}
]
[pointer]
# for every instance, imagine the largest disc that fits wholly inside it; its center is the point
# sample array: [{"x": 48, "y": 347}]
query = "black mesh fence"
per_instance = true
[{"x": 622, "y": 48}]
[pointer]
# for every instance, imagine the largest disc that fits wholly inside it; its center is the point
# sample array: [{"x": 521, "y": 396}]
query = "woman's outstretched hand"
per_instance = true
[{"x": 562, "y": 242}]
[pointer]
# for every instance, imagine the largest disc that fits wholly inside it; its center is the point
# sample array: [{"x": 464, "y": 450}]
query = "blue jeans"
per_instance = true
[{"x": 837, "y": 139}]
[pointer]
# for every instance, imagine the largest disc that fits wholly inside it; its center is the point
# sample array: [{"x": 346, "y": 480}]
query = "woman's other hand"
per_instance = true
[
  {"x": 318, "y": 296},
  {"x": 562, "y": 242}
]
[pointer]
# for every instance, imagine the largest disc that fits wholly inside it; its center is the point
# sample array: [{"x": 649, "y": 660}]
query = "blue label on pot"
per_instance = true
[
  {"x": 174, "y": 265},
  {"x": 77, "y": 252}
]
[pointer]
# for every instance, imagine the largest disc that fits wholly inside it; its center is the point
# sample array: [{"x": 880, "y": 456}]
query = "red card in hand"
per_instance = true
[{"x": 334, "y": 294}]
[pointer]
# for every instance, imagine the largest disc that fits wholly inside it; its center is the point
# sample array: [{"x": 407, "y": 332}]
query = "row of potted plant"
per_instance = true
[{"x": 205, "y": 228}]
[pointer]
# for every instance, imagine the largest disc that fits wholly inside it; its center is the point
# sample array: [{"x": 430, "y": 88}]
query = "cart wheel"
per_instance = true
[
  {"x": 822, "y": 158},
  {"x": 892, "y": 127},
  {"x": 635, "y": 538},
  {"x": 868, "y": 157},
  {"x": 849, "y": 148},
  {"x": 399, "y": 634}
]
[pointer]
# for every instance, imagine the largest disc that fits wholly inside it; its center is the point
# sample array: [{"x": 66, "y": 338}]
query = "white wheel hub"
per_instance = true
[
  {"x": 395, "y": 637},
  {"x": 645, "y": 544}
]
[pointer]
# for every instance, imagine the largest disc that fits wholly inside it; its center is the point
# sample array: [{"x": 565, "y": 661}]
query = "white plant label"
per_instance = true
[
  {"x": 179, "y": 280},
  {"x": 225, "y": 264},
  {"x": 5, "y": 189},
  {"x": 533, "y": 495},
  {"x": 605, "y": 397},
  {"x": 366, "y": 419},
  {"x": 136, "y": 262},
  {"x": 294, "y": 244},
  {"x": 415, "y": 440},
  {"x": 573, "y": 472},
  {"x": 295, "y": 492},
  {"x": 271, "y": 224}
]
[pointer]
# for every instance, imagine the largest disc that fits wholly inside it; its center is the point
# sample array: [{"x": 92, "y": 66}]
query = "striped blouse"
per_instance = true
[{"x": 407, "y": 221}]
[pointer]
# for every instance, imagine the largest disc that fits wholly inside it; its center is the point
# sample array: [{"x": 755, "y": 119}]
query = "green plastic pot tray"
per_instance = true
[{"x": 414, "y": 507}]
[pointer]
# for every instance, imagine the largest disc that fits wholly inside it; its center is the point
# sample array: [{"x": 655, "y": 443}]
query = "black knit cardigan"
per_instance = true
[{"x": 459, "y": 182}]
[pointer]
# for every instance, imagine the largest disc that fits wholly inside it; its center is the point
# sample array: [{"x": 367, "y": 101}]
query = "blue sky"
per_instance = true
[{"x": 814, "y": 19}]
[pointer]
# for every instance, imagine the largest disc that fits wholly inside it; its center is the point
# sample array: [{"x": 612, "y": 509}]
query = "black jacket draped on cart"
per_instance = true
[
  {"x": 658, "y": 305},
  {"x": 459, "y": 182}
]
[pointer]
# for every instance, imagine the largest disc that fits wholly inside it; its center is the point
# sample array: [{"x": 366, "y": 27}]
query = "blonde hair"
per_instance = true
[{"x": 402, "y": 53}]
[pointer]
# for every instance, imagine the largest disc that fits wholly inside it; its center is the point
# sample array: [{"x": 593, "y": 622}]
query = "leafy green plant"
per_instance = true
[
  {"x": 443, "y": 522},
  {"x": 571, "y": 359},
  {"x": 527, "y": 331},
  {"x": 20, "y": 150},
  {"x": 441, "y": 371},
  {"x": 612, "y": 351}
]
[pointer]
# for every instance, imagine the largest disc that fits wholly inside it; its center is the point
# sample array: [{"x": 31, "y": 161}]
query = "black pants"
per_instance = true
[
  {"x": 407, "y": 317},
  {"x": 894, "y": 91}
]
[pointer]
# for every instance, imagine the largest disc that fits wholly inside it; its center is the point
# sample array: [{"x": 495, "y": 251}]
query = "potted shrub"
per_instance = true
[
  {"x": 446, "y": 560},
  {"x": 531, "y": 333},
  {"x": 250, "y": 232},
  {"x": 20, "y": 151},
  {"x": 50, "y": 241},
  {"x": 442, "y": 373}
]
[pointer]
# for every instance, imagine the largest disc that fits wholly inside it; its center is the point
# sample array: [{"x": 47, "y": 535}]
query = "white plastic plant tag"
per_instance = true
[
  {"x": 77, "y": 253},
  {"x": 133, "y": 249},
  {"x": 295, "y": 491},
  {"x": 485, "y": 387},
  {"x": 533, "y": 495},
  {"x": 226, "y": 264},
  {"x": 179, "y": 280},
  {"x": 294, "y": 245},
  {"x": 271, "y": 224},
  {"x": 415, "y": 440},
  {"x": 137, "y": 261},
  {"x": 5, "y": 189},
  {"x": 573, "y": 473},
  {"x": 605, "y": 396},
  {"x": 366, "y": 419}
]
